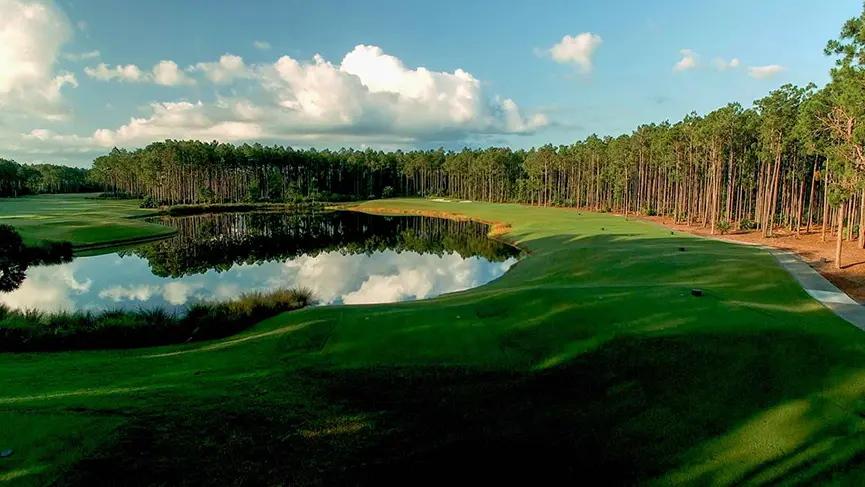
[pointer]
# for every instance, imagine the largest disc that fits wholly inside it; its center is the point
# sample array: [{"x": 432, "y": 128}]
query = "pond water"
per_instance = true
[{"x": 343, "y": 257}]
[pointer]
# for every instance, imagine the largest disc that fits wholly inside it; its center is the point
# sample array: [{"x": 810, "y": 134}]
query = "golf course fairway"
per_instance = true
[{"x": 589, "y": 360}]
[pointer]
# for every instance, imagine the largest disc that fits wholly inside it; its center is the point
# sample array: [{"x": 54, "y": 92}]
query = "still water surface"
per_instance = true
[{"x": 343, "y": 257}]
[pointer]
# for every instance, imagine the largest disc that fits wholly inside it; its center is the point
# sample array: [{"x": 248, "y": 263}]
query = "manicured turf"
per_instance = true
[
  {"x": 588, "y": 360},
  {"x": 74, "y": 218}
]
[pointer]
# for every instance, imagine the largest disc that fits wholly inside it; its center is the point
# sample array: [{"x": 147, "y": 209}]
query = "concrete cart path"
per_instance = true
[{"x": 820, "y": 288}]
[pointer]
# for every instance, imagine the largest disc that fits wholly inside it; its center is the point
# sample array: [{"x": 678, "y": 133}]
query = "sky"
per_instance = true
[{"x": 78, "y": 77}]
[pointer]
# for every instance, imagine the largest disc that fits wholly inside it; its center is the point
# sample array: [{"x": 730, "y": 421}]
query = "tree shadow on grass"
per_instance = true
[
  {"x": 625, "y": 412},
  {"x": 631, "y": 411},
  {"x": 738, "y": 389}
]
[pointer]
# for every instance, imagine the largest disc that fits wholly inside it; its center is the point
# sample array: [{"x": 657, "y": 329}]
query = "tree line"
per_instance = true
[
  {"x": 23, "y": 179},
  {"x": 795, "y": 159}
]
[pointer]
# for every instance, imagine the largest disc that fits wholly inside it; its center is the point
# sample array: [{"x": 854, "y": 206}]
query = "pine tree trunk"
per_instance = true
[
  {"x": 799, "y": 206},
  {"x": 840, "y": 237},
  {"x": 811, "y": 198},
  {"x": 862, "y": 220},
  {"x": 825, "y": 204}
]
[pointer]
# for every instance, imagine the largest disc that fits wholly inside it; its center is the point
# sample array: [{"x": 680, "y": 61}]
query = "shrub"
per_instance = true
[
  {"x": 148, "y": 202},
  {"x": 33, "y": 330},
  {"x": 723, "y": 226},
  {"x": 387, "y": 192},
  {"x": 648, "y": 211},
  {"x": 747, "y": 224},
  {"x": 117, "y": 195}
]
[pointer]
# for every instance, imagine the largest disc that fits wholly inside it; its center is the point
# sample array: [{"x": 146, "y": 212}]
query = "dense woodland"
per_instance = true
[
  {"x": 794, "y": 159},
  {"x": 22, "y": 179}
]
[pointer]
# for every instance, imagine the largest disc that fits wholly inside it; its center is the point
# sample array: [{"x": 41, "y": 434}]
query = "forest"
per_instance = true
[
  {"x": 23, "y": 179},
  {"x": 795, "y": 159}
]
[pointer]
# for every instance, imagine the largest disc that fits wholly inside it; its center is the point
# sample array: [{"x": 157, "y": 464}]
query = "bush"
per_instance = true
[
  {"x": 31, "y": 330},
  {"x": 149, "y": 202},
  {"x": 748, "y": 224},
  {"x": 723, "y": 226},
  {"x": 387, "y": 192},
  {"x": 648, "y": 211},
  {"x": 118, "y": 195}
]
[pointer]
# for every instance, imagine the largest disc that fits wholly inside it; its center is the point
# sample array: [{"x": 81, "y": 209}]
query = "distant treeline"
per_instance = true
[{"x": 23, "y": 179}]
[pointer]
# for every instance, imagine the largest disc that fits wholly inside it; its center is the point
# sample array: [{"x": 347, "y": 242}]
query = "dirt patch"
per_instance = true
[
  {"x": 498, "y": 230},
  {"x": 819, "y": 255}
]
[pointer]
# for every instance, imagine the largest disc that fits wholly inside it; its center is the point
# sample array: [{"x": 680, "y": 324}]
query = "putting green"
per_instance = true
[{"x": 589, "y": 359}]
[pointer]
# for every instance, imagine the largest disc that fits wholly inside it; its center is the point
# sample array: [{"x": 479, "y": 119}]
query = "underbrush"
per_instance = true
[
  {"x": 119, "y": 195},
  {"x": 32, "y": 331}
]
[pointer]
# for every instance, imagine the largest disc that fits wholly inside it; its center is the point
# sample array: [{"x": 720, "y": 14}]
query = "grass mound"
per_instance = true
[{"x": 32, "y": 330}]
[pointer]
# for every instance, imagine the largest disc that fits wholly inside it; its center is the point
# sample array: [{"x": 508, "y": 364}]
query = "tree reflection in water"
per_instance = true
[
  {"x": 15, "y": 257},
  {"x": 218, "y": 242}
]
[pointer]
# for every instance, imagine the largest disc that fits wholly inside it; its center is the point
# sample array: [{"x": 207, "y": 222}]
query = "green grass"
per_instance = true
[
  {"x": 588, "y": 360},
  {"x": 78, "y": 219}
]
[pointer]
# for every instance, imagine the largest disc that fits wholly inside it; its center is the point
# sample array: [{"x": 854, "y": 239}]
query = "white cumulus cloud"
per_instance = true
[
  {"x": 723, "y": 64},
  {"x": 579, "y": 50},
  {"x": 228, "y": 68},
  {"x": 765, "y": 72},
  {"x": 129, "y": 72},
  {"x": 166, "y": 73},
  {"x": 31, "y": 35},
  {"x": 688, "y": 61},
  {"x": 369, "y": 97}
]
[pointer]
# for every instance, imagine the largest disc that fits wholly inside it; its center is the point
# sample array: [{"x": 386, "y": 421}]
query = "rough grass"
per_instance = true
[
  {"x": 78, "y": 219},
  {"x": 588, "y": 360},
  {"x": 32, "y": 330}
]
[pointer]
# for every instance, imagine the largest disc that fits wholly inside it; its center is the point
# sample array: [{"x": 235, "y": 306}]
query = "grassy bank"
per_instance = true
[
  {"x": 78, "y": 219},
  {"x": 589, "y": 359},
  {"x": 35, "y": 331}
]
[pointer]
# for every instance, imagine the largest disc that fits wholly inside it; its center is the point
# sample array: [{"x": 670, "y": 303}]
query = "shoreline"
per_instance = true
[{"x": 498, "y": 230}]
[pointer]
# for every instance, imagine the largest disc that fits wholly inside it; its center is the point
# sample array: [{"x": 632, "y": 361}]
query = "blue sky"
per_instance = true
[{"x": 62, "y": 98}]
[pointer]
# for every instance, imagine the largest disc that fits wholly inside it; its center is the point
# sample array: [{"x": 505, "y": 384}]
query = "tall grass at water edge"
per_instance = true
[{"x": 32, "y": 330}]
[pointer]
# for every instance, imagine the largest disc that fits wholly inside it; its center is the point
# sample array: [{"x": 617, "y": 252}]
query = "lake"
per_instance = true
[{"x": 343, "y": 257}]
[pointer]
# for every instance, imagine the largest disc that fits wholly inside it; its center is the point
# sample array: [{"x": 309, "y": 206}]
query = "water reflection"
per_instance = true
[
  {"x": 15, "y": 257},
  {"x": 344, "y": 257}
]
